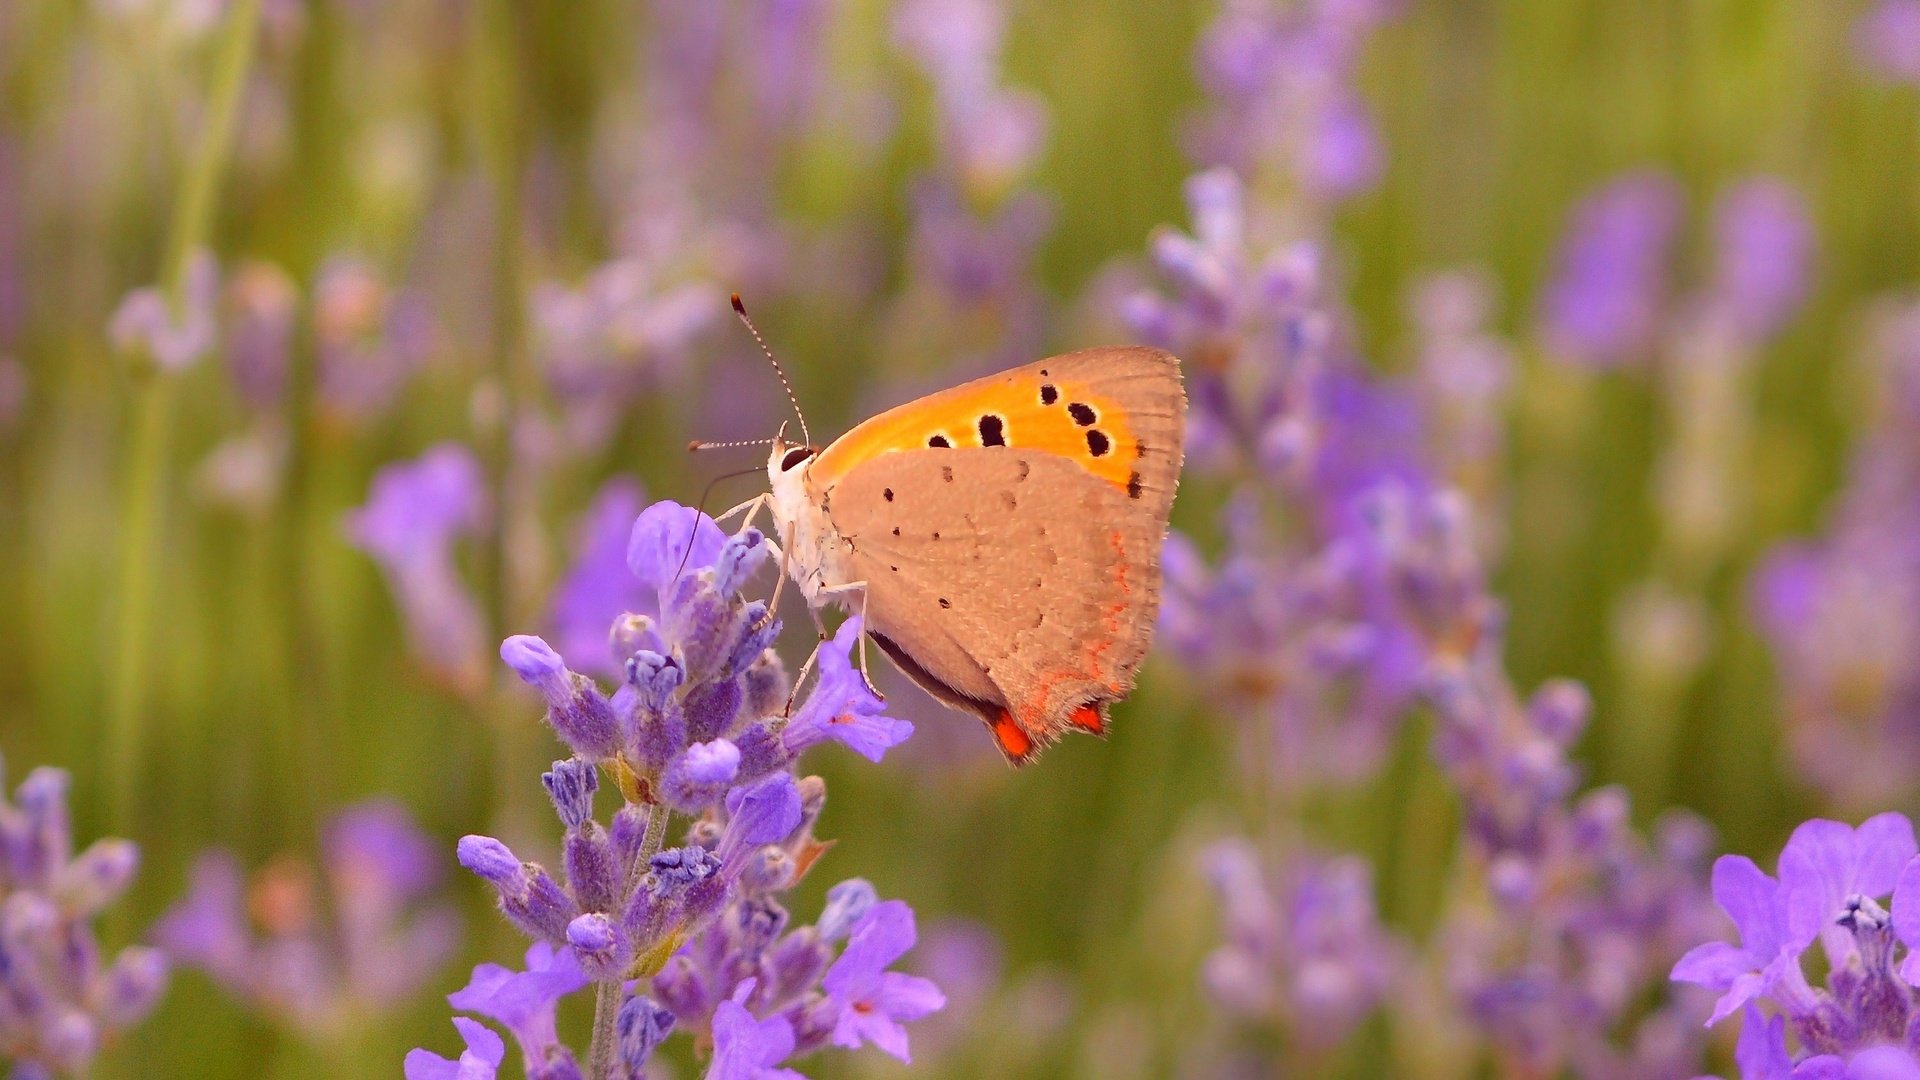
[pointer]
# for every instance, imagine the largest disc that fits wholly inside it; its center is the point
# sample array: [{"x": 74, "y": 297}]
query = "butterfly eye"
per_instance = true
[{"x": 795, "y": 456}]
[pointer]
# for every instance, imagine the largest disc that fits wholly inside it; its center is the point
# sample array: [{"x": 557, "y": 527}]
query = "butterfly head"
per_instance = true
[{"x": 787, "y": 461}]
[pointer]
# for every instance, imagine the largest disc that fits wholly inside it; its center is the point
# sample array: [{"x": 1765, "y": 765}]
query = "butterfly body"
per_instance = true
[{"x": 1002, "y": 537}]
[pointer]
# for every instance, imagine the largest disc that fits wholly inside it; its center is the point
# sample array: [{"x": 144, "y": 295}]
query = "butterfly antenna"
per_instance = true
[
  {"x": 702, "y": 444},
  {"x": 700, "y": 508},
  {"x": 740, "y": 309}
]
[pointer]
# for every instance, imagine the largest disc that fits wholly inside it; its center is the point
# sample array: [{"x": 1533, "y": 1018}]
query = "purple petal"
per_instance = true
[
  {"x": 480, "y": 1061},
  {"x": 658, "y": 547},
  {"x": 1883, "y": 1063},
  {"x": 1762, "y": 1050},
  {"x": 883, "y": 935},
  {"x": 1714, "y": 965},
  {"x": 1752, "y": 900},
  {"x": 908, "y": 997}
]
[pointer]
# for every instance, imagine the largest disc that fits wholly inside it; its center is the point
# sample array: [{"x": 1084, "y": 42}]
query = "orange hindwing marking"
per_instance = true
[
  {"x": 1087, "y": 718},
  {"x": 1011, "y": 739}
]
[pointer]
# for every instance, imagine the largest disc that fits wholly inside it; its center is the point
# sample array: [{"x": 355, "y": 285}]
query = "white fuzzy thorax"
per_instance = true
[{"x": 814, "y": 552}]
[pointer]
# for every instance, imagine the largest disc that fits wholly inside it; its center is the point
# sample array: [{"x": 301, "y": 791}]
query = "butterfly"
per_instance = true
[{"x": 1001, "y": 539}]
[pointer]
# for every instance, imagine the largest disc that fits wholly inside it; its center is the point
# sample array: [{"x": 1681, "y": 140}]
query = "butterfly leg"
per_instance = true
[
  {"x": 749, "y": 509},
  {"x": 837, "y": 590},
  {"x": 805, "y": 670}
]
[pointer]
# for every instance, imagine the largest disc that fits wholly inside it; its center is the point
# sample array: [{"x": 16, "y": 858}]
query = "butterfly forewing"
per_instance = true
[{"x": 1118, "y": 412}]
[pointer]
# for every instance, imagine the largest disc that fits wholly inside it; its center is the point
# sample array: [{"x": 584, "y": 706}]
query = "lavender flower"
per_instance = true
[
  {"x": 748, "y": 1049},
  {"x": 618, "y": 334},
  {"x": 873, "y": 1002},
  {"x": 976, "y": 220},
  {"x": 1303, "y": 946},
  {"x": 172, "y": 337},
  {"x": 1832, "y": 884},
  {"x": 992, "y": 134},
  {"x": 1609, "y": 287},
  {"x": 693, "y": 937},
  {"x": 1281, "y": 96},
  {"x": 261, "y": 304},
  {"x": 1887, "y": 38},
  {"x": 414, "y": 514},
  {"x": 599, "y": 588},
  {"x": 479, "y": 1061},
  {"x": 1839, "y": 612},
  {"x": 1351, "y": 588},
  {"x": 1763, "y": 248},
  {"x": 60, "y": 999},
  {"x": 322, "y": 979},
  {"x": 369, "y": 339}
]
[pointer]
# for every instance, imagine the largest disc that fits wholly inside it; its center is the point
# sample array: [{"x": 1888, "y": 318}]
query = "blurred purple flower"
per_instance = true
[
  {"x": 599, "y": 588},
  {"x": 1465, "y": 376},
  {"x": 172, "y": 337},
  {"x": 60, "y": 999},
  {"x": 990, "y": 134},
  {"x": 1302, "y": 946},
  {"x": 1609, "y": 286},
  {"x": 1841, "y": 613},
  {"x": 1280, "y": 96},
  {"x": 620, "y": 331},
  {"x": 369, "y": 340},
  {"x": 1763, "y": 247},
  {"x": 384, "y": 941},
  {"x": 1887, "y": 37},
  {"x": 414, "y": 514},
  {"x": 262, "y": 302}
]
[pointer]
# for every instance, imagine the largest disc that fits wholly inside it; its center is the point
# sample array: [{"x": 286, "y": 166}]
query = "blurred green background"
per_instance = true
[{"x": 278, "y": 684}]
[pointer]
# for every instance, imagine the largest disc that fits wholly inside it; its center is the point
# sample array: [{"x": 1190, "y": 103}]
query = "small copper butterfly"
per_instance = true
[{"x": 1000, "y": 538}]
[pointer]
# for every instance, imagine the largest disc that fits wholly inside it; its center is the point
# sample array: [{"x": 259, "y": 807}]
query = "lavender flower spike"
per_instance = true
[
  {"x": 58, "y": 1000},
  {"x": 383, "y": 942},
  {"x": 664, "y": 934}
]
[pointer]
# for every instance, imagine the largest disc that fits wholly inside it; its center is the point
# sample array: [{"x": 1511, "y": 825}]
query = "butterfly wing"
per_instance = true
[
  {"x": 1119, "y": 412},
  {"x": 1017, "y": 578}
]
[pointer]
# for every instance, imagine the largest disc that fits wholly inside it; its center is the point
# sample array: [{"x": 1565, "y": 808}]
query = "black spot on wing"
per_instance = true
[
  {"x": 1133, "y": 486},
  {"x": 887, "y": 494},
  {"x": 993, "y": 431},
  {"x": 945, "y": 603},
  {"x": 1049, "y": 393},
  {"x": 1098, "y": 443},
  {"x": 946, "y": 473},
  {"x": 1082, "y": 414},
  {"x": 938, "y": 442}
]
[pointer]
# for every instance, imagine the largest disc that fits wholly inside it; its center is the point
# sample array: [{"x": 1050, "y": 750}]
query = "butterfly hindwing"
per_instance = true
[{"x": 1010, "y": 582}]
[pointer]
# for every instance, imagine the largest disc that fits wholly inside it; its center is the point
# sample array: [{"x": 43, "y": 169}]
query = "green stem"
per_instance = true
[
  {"x": 151, "y": 441},
  {"x": 606, "y": 998}
]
